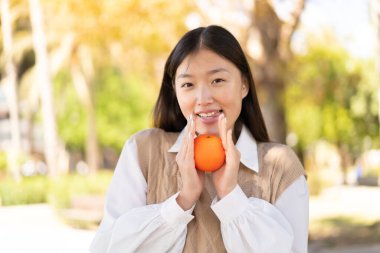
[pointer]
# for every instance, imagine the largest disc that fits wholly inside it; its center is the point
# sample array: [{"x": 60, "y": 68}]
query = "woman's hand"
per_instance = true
[
  {"x": 192, "y": 179},
  {"x": 225, "y": 179}
]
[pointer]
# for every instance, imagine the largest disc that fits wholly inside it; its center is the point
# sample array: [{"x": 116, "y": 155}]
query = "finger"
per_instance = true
[
  {"x": 190, "y": 134},
  {"x": 182, "y": 151},
  {"x": 190, "y": 140},
  {"x": 220, "y": 122},
  {"x": 231, "y": 146},
  {"x": 230, "y": 141},
  {"x": 223, "y": 131},
  {"x": 189, "y": 155},
  {"x": 184, "y": 145},
  {"x": 188, "y": 126},
  {"x": 193, "y": 125}
]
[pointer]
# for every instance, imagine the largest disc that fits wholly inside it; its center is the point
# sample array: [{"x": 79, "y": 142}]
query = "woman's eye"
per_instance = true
[
  {"x": 218, "y": 80},
  {"x": 186, "y": 85}
]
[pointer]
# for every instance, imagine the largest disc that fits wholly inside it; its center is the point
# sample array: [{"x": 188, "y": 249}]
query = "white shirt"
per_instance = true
[{"x": 247, "y": 224}]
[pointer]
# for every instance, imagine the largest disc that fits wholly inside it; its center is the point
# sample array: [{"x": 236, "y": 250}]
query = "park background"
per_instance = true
[{"x": 79, "y": 77}]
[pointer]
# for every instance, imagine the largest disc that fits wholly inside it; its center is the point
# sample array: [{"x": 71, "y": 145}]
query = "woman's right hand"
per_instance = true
[{"x": 192, "y": 179}]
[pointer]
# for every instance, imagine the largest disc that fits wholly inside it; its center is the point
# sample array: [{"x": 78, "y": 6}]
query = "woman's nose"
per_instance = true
[{"x": 204, "y": 96}]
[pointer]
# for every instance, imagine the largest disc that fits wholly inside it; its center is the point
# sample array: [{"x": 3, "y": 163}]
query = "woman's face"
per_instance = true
[{"x": 207, "y": 85}]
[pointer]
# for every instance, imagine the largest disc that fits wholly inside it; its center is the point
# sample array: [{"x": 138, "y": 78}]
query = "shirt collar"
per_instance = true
[{"x": 246, "y": 145}]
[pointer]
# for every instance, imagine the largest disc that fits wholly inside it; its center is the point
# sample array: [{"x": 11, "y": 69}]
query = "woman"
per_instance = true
[{"x": 158, "y": 202}]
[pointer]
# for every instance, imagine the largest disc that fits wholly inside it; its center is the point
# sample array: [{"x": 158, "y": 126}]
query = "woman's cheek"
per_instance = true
[{"x": 185, "y": 106}]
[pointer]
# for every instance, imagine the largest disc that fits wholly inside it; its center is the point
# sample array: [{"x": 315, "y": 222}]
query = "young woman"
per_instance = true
[{"x": 158, "y": 202}]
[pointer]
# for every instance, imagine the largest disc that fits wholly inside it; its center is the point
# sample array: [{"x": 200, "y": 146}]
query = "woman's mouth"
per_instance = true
[{"x": 209, "y": 117}]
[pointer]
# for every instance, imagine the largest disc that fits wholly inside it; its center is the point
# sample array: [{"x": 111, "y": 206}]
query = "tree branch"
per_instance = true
[{"x": 288, "y": 28}]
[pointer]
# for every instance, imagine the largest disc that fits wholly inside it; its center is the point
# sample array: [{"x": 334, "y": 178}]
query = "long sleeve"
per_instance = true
[
  {"x": 129, "y": 225},
  {"x": 253, "y": 225}
]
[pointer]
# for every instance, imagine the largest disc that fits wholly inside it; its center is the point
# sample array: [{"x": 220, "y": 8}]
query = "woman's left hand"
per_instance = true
[{"x": 225, "y": 178}]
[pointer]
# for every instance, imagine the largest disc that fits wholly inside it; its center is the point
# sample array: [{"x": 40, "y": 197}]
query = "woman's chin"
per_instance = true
[{"x": 208, "y": 130}]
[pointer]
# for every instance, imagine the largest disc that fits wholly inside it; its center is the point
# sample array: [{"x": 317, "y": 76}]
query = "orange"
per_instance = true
[{"x": 209, "y": 154}]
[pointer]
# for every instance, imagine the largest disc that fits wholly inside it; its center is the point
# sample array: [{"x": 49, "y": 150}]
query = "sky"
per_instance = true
[{"x": 350, "y": 20}]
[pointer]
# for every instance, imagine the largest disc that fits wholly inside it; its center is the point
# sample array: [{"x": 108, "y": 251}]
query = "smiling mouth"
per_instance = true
[{"x": 209, "y": 114}]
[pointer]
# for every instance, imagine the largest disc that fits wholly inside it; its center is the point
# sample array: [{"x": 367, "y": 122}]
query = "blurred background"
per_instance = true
[{"x": 79, "y": 77}]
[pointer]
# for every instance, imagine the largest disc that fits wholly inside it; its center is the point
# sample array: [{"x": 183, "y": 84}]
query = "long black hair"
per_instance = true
[{"x": 167, "y": 114}]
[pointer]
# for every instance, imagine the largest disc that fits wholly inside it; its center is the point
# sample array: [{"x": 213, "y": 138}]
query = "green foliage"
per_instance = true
[
  {"x": 123, "y": 107},
  {"x": 332, "y": 96},
  {"x": 27, "y": 191},
  {"x": 71, "y": 114},
  {"x": 3, "y": 162},
  {"x": 95, "y": 36},
  {"x": 58, "y": 192},
  {"x": 62, "y": 190},
  {"x": 372, "y": 172},
  {"x": 315, "y": 183}
]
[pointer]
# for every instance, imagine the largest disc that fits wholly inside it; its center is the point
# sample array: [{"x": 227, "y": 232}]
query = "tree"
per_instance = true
[
  {"x": 10, "y": 81},
  {"x": 376, "y": 22},
  {"x": 266, "y": 37},
  {"x": 106, "y": 38},
  {"x": 82, "y": 80},
  {"x": 82, "y": 39},
  {"x": 52, "y": 146},
  {"x": 275, "y": 36},
  {"x": 332, "y": 96}
]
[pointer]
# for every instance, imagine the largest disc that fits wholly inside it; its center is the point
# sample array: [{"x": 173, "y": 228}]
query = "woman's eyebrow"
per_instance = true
[
  {"x": 210, "y": 72},
  {"x": 184, "y": 75},
  {"x": 213, "y": 71}
]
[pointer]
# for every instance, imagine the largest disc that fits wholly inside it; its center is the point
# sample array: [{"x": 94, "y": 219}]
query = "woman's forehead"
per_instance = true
[{"x": 203, "y": 61}]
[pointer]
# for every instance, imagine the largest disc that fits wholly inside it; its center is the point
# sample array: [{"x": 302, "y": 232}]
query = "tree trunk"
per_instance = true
[
  {"x": 92, "y": 147},
  {"x": 377, "y": 27},
  {"x": 10, "y": 81},
  {"x": 51, "y": 143},
  {"x": 345, "y": 160},
  {"x": 273, "y": 109},
  {"x": 273, "y": 36},
  {"x": 85, "y": 95}
]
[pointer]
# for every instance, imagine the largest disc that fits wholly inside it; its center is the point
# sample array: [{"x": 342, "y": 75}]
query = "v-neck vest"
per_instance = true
[{"x": 279, "y": 167}]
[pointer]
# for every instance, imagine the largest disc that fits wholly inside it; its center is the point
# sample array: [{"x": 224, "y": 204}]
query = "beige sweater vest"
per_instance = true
[{"x": 279, "y": 167}]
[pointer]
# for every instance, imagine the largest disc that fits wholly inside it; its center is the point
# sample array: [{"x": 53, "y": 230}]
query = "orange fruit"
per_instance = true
[{"x": 209, "y": 154}]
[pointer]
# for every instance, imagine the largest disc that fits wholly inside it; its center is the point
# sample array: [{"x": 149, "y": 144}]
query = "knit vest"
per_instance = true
[{"x": 279, "y": 167}]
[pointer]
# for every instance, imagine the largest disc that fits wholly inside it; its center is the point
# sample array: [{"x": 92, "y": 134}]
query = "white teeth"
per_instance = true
[{"x": 206, "y": 115}]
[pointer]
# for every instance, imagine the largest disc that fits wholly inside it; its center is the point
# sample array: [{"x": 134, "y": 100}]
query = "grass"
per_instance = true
[
  {"x": 64, "y": 189},
  {"x": 59, "y": 192},
  {"x": 77, "y": 199},
  {"x": 344, "y": 231},
  {"x": 343, "y": 216},
  {"x": 27, "y": 191}
]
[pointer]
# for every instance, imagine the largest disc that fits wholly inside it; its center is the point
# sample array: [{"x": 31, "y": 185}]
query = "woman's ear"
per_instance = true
[{"x": 244, "y": 88}]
